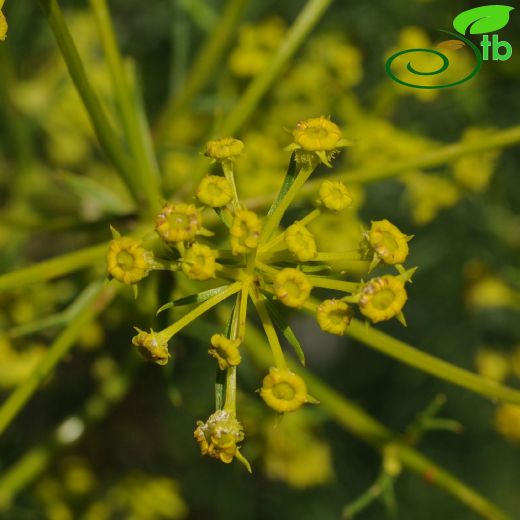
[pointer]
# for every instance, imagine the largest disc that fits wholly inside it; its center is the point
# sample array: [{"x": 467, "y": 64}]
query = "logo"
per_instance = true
[{"x": 480, "y": 20}]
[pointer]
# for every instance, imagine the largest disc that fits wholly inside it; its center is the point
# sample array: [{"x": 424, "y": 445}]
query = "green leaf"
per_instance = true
[
  {"x": 286, "y": 330},
  {"x": 193, "y": 298},
  {"x": 484, "y": 19},
  {"x": 287, "y": 182}
]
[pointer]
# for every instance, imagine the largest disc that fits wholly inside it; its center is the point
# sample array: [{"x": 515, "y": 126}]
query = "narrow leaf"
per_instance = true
[
  {"x": 287, "y": 183},
  {"x": 286, "y": 330},
  {"x": 193, "y": 298}
]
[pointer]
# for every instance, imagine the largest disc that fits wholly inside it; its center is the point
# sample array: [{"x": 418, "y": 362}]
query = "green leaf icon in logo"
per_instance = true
[{"x": 480, "y": 20}]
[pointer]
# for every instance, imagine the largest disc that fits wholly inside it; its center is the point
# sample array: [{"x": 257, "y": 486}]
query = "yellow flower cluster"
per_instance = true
[{"x": 259, "y": 260}]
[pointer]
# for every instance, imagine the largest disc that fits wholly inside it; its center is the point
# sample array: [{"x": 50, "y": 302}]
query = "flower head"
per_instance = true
[
  {"x": 222, "y": 149},
  {"x": 317, "y": 138},
  {"x": 199, "y": 262},
  {"x": 245, "y": 231},
  {"x": 335, "y": 195},
  {"x": 292, "y": 287},
  {"x": 127, "y": 261},
  {"x": 225, "y": 351},
  {"x": 219, "y": 435},
  {"x": 300, "y": 241},
  {"x": 283, "y": 391},
  {"x": 152, "y": 346},
  {"x": 388, "y": 243},
  {"x": 334, "y": 316},
  {"x": 214, "y": 191},
  {"x": 178, "y": 222},
  {"x": 382, "y": 298}
]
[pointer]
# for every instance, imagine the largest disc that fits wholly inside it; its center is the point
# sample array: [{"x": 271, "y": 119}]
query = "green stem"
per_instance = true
[
  {"x": 344, "y": 255},
  {"x": 383, "y": 482},
  {"x": 135, "y": 135},
  {"x": 99, "y": 297},
  {"x": 355, "y": 420},
  {"x": 273, "y": 220},
  {"x": 438, "y": 157},
  {"x": 201, "y": 309},
  {"x": 441, "y": 155},
  {"x": 297, "y": 34},
  {"x": 268, "y": 246},
  {"x": 106, "y": 135},
  {"x": 57, "y": 266},
  {"x": 336, "y": 285},
  {"x": 246, "y": 105},
  {"x": 205, "y": 64},
  {"x": 270, "y": 332},
  {"x": 430, "y": 364},
  {"x": 228, "y": 168}
]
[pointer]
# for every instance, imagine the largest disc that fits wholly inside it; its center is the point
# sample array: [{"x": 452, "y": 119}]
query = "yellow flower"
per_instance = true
[
  {"x": 283, "y": 391},
  {"x": 152, "y": 346},
  {"x": 3, "y": 27},
  {"x": 214, "y": 191},
  {"x": 225, "y": 351},
  {"x": 317, "y": 137},
  {"x": 199, "y": 262},
  {"x": 388, "y": 243},
  {"x": 491, "y": 364},
  {"x": 127, "y": 261},
  {"x": 300, "y": 242},
  {"x": 244, "y": 231},
  {"x": 335, "y": 195},
  {"x": 382, "y": 298},
  {"x": 178, "y": 222},
  {"x": 334, "y": 316},
  {"x": 219, "y": 435},
  {"x": 222, "y": 149},
  {"x": 292, "y": 287},
  {"x": 507, "y": 421}
]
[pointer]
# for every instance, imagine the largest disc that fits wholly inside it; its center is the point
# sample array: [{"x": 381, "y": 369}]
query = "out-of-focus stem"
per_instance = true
[
  {"x": 359, "y": 423},
  {"x": 57, "y": 266},
  {"x": 98, "y": 298},
  {"x": 430, "y": 364},
  {"x": 146, "y": 168},
  {"x": 204, "y": 66},
  {"x": 105, "y": 133}
]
